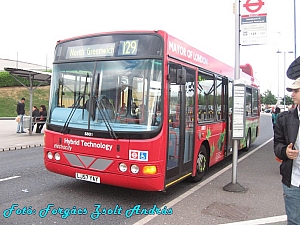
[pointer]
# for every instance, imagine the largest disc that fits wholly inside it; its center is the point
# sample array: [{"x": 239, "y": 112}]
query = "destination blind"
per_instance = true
[{"x": 116, "y": 46}]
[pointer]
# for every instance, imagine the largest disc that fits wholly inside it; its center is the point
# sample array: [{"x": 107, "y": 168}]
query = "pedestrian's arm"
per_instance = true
[
  {"x": 18, "y": 109},
  {"x": 280, "y": 143},
  {"x": 291, "y": 152}
]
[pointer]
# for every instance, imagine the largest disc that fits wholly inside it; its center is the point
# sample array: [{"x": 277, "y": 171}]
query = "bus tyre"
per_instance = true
[
  {"x": 202, "y": 163},
  {"x": 248, "y": 141}
]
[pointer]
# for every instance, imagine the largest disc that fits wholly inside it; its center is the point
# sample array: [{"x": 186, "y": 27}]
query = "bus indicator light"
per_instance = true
[{"x": 149, "y": 170}]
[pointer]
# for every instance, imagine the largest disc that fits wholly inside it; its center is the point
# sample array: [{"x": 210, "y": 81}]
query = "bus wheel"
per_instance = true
[
  {"x": 201, "y": 166},
  {"x": 248, "y": 141}
]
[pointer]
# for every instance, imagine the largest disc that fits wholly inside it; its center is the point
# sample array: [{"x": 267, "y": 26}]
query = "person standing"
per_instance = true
[
  {"x": 286, "y": 148},
  {"x": 21, "y": 113},
  {"x": 275, "y": 115}
]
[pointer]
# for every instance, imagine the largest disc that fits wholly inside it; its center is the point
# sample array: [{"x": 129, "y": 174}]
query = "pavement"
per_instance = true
[
  {"x": 10, "y": 140},
  {"x": 207, "y": 202}
]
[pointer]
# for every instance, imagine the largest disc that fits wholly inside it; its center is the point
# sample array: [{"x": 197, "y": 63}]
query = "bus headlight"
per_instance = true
[
  {"x": 49, "y": 155},
  {"x": 134, "y": 169},
  {"x": 122, "y": 167},
  {"x": 57, "y": 156},
  {"x": 149, "y": 170}
]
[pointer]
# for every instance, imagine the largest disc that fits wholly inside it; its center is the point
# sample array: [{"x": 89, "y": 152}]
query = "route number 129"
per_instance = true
[{"x": 128, "y": 47}]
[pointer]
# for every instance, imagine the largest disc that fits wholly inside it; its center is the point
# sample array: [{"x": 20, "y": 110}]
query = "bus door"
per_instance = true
[
  {"x": 181, "y": 123},
  {"x": 229, "y": 118}
]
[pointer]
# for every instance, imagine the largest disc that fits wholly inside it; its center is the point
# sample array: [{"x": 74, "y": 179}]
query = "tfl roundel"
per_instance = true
[
  {"x": 134, "y": 155},
  {"x": 253, "y": 6}
]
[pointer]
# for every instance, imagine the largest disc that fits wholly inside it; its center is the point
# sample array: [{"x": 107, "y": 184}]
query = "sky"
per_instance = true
[{"x": 30, "y": 29}]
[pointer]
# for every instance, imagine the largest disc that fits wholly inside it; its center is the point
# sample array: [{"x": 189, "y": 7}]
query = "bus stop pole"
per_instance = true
[
  {"x": 30, "y": 104},
  {"x": 236, "y": 77},
  {"x": 234, "y": 162},
  {"x": 234, "y": 186}
]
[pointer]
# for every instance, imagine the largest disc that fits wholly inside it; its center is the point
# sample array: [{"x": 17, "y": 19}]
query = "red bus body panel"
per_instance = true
[{"x": 77, "y": 155}]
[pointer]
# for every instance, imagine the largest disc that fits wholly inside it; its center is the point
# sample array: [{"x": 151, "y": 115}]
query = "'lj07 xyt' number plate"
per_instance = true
[{"x": 86, "y": 177}]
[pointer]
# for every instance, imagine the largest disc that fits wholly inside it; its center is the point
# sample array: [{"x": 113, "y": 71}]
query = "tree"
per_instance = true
[
  {"x": 269, "y": 98},
  {"x": 288, "y": 100},
  {"x": 262, "y": 99}
]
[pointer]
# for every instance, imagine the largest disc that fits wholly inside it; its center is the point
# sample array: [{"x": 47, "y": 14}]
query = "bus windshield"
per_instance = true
[{"x": 124, "y": 94}]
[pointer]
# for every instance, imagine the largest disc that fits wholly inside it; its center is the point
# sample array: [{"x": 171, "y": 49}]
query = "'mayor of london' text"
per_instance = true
[{"x": 181, "y": 50}]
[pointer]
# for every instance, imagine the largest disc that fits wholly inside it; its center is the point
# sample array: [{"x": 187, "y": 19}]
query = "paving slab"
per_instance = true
[{"x": 10, "y": 140}]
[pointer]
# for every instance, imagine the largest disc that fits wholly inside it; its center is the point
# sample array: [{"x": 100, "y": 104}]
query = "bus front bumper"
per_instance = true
[{"x": 121, "y": 180}]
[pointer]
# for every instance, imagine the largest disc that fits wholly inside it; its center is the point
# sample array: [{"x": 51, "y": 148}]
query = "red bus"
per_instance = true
[{"x": 141, "y": 110}]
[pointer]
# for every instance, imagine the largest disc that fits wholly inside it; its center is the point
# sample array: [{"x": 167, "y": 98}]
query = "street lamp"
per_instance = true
[
  {"x": 295, "y": 30},
  {"x": 278, "y": 101},
  {"x": 284, "y": 54}
]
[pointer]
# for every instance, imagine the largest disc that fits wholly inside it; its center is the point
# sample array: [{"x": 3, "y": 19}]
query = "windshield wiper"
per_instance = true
[
  {"x": 76, "y": 106},
  {"x": 105, "y": 116},
  {"x": 84, "y": 92},
  {"x": 66, "y": 125}
]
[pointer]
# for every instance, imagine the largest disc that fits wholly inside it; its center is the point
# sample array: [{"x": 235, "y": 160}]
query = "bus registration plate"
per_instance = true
[{"x": 86, "y": 177}]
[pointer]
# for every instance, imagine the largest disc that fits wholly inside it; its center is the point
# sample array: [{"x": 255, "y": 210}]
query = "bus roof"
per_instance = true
[{"x": 180, "y": 50}]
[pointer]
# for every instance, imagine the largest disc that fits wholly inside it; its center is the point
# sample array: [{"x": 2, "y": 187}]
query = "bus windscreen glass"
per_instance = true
[{"x": 124, "y": 94}]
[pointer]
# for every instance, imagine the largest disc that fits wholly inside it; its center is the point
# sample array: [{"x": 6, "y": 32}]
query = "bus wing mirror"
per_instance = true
[{"x": 181, "y": 76}]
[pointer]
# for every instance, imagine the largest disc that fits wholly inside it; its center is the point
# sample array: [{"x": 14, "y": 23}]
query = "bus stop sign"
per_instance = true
[
  {"x": 253, "y": 7},
  {"x": 238, "y": 124}
]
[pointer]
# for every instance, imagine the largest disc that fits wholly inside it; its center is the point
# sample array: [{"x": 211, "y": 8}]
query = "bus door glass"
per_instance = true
[
  {"x": 229, "y": 124},
  {"x": 181, "y": 121}
]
